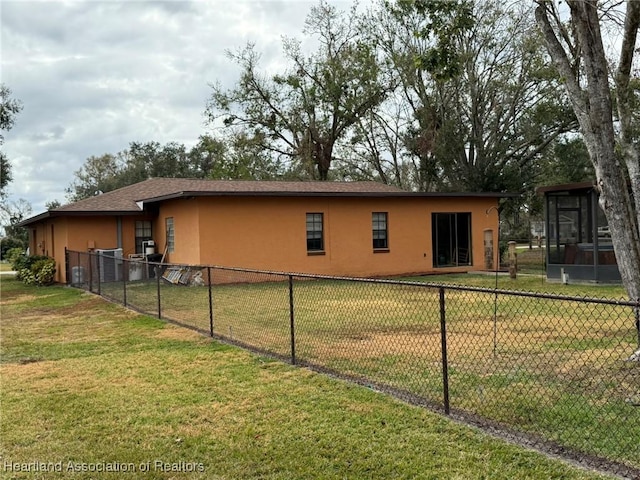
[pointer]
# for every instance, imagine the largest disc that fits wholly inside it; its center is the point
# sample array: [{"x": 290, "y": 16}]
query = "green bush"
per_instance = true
[
  {"x": 19, "y": 261},
  {"x": 12, "y": 255},
  {"x": 35, "y": 269}
]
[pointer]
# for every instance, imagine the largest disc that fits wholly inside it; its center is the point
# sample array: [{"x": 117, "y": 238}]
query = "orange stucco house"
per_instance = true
[{"x": 333, "y": 228}]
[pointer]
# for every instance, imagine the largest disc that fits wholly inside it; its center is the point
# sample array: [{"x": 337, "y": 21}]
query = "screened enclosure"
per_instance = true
[{"x": 579, "y": 244}]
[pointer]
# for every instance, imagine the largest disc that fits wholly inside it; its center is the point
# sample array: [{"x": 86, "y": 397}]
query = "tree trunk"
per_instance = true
[
  {"x": 629, "y": 151},
  {"x": 324, "y": 154},
  {"x": 593, "y": 108}
]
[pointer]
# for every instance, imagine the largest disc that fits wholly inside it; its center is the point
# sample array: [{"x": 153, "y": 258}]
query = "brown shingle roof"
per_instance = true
[{"x": 124, "y": 199}]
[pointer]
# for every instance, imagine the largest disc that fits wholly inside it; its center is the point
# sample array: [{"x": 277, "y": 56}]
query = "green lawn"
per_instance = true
[
  {"x": 531, "y": 260},
  {"x": 528, "y": 282},
  {"x": 87, "y": 384},
  {"x": 549, "y": 367},
  {"x": 5, "y": 266}
]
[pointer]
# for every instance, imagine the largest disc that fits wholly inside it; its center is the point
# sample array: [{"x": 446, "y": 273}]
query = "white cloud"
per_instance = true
[{"x": 94, "y": 76}]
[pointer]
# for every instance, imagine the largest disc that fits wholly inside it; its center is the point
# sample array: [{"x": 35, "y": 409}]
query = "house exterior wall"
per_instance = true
[
  {"x": 49, "y": 238},
  {"x": 83, "y": 233},
  {"x": 128, "y": 240},
  {"x": 186, "y": 227},
  {"x": 270, "y": 233},
  {"x": 87, "y": 233}
]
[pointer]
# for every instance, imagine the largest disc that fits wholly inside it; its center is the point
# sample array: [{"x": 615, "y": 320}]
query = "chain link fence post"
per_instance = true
[
  {"x": 445, "y": 363},
  {"x": 98, "y": 257},
  {"x": 210, "y": 281},
  {"x": 636, "y": 311},
  {"x": 125, "y": 272},
  {"x": 91, "y": 272},
  {"x": 157, "y": 270},
  {"x": 291, "y": 322},
  {"x": 66, "y": 266}
]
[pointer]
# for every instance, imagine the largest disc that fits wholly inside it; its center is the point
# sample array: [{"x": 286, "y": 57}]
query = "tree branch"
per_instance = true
[{"x": 561, "y": 62}]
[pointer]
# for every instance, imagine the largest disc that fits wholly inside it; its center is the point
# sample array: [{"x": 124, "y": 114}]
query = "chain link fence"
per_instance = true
[{"x": 557, "y": 371}]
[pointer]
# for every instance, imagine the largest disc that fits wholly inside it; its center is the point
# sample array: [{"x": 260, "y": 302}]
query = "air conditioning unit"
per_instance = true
[{"x": 110, "y": 262}]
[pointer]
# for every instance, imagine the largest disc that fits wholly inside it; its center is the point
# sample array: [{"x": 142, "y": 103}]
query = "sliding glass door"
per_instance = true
[{"x": 451, "y": 239}]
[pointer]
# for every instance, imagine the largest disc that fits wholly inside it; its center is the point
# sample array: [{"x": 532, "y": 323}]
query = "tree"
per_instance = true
[
  {"x": 151, "y": 160},
  {"x": 236, "y": 157},
  {"x": 53, "y": 204},
  {"x": 246, "y": 159},
  {"x": 566, "y": 161},
  {"x": 7, "y": 244},
  {"x": 11, "y": 214},
  {"x": 9, "y": 108},
  {"x": 141, "y": 161},
  {"x": 479, "y": 125},
  {"x": 578, "y": 54},
  {"x": 206, "y": 155},
  {"x": 415, "y": 44},
  {"x": 97, "y": 175},
  {"x": 303, "y": 113}
]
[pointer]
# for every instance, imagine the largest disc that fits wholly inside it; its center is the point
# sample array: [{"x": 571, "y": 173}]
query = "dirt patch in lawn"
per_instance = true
[
  {"x": 19, "y": 299},
  {"x": 175, "y": 333}
]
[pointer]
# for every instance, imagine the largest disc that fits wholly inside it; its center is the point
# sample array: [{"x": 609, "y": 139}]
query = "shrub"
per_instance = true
[
  {"x": 35, "y": 269},
  {"x": 12, "y": 255},
  {"x": 19, "y": 261}
]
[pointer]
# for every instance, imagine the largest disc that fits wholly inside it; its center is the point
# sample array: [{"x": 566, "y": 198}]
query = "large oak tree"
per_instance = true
[
  {"x": 481, "y": 124},
  {"x": 302, "y": 113}
]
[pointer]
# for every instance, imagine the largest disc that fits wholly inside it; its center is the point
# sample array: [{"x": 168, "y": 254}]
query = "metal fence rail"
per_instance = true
[{"x": 554, "y": 368}]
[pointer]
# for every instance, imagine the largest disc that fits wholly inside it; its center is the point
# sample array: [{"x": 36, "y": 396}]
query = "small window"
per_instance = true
[
  {"x": 143, "y": 234},
  {"x": 380, "y": 236},
  {"x": 315, "y": 237},
  {"x": 170, "y": 234}
]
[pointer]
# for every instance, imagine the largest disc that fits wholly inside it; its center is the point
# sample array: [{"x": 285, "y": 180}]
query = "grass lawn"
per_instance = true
[
  {"x": 549, "y": 367},
  {"x": 528, "y": 282},
  {"x": 5, "y": 266},
  {"x": 531, "y": 260},
  {"x": 87, "y": 384}
]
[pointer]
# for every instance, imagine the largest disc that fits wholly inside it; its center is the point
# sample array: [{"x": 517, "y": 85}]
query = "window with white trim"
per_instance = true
[
  {"x": 170, "y": 234},
  {"x": 143, "y": 234},
  {"x": 315, "y": 232},
  {"x": 379, "y": 230}
]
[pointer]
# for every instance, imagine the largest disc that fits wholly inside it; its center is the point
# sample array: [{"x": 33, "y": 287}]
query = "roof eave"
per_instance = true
[
  {"x": 36, "y": 219},
  {"x": 76, "y": 213},
  {"x": 565, "y": 187},
  {"x": 389, "y": 194}
]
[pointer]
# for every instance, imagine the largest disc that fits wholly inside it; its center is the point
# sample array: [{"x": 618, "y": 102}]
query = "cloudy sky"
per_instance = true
[{"x": 94, "y": 76}]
